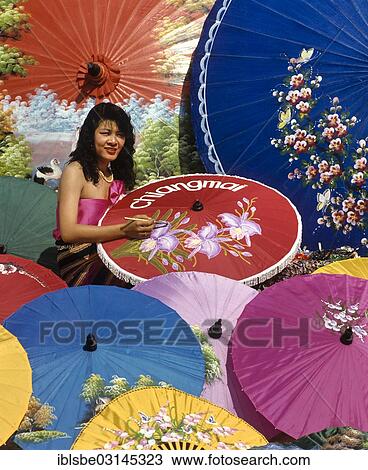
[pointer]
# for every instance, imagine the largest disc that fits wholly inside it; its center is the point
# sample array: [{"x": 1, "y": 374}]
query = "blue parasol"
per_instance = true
[
  {"x": 251, "y": 107},
  {"x": 136, "y": 336}
]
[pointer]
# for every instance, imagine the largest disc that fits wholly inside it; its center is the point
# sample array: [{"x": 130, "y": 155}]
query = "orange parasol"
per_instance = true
[{"x": 95, "y": 48}]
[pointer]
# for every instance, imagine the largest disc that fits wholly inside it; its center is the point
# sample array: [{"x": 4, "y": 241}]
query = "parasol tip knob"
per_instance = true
[
  {"x": 215, "y": 331},
  {"x": 197, "y": 206},
  {"x": 346, "y": 337},
  {"x": 2, "y": 249},
  {"x": 93, "y": 69},
  {"x": 91, "y": 343}
]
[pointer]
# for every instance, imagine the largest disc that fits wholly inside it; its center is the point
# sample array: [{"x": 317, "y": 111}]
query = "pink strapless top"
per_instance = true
[{"x": 90, "y": 211}]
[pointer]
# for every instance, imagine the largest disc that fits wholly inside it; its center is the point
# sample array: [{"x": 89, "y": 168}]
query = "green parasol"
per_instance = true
[{"x": 27, "y": 218}]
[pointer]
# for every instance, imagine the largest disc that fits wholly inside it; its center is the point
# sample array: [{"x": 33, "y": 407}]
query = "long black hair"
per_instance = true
[{"x": 85, "y": 153}]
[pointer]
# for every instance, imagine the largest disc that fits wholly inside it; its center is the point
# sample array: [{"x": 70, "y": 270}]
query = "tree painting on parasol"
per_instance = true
[
  {"x": 38, "y": 417},
  {"x": 93, "y": 49},
  {"x": 135, "y": 53},
  {"x": 320, "y": 148}
]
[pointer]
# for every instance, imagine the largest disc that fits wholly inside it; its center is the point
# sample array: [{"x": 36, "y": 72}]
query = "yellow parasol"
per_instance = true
[
  {"x": 15, "y": 384},
  {"x": 166, "y": 419},
  {"x": 357, "y": 267}
]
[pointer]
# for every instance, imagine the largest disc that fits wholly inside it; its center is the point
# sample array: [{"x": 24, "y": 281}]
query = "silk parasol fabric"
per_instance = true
[
  {"x": 135, "y": 335},
  {"x": 138, "y": 46},
  {"x": 15, "y": 384},
  {"x": 357, "y": 267},
  {"x": 23, "y": 280},
  {"x": 152, "y": 418},
  {"x": 201, "y": 299},
  {"x": 27, "y": 220},
  {"x": 225, "y": 225},
  {"x": 247, "y": 69},
  {"x": 299, "y": 352}
]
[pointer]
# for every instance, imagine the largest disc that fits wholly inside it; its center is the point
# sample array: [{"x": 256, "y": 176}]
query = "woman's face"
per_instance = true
[{"x": 109, "y": 141}]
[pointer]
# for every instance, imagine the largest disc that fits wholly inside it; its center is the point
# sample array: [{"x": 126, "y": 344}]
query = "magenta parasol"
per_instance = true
[{"x": 300, "y": 351}]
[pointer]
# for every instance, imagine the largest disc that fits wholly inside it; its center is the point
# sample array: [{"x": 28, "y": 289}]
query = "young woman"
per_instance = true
[{"x": 100, "y": 169}]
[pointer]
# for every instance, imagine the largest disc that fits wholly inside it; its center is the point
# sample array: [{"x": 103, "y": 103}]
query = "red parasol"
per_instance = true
[
  {"x": 22, "y": 280},
  {"x": 104, "y": 49},
  {"x": 224, "y": 225}
]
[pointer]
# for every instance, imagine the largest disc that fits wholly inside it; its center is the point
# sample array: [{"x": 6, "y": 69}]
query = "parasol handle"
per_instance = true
[
  {"x": 2, "y": 249},
  {"x": 91, "y": 343},
  {"x": 347, "y": 337},
  {"x": 215, "y": 331},
  {"x": 197, "y": 206},
  {"x": 93, "y": 69}
]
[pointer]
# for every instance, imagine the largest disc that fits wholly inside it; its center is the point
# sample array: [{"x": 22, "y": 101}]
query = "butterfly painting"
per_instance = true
[
  {"x": 323, "y": 200},
  {"x": 304, "y": 57},
  {"x": 284, "y": 118}
]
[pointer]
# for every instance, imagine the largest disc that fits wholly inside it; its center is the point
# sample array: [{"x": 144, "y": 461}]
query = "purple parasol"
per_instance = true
[
  {"x": 202, "y": 299},
  {"x": 300, "y": 353}
]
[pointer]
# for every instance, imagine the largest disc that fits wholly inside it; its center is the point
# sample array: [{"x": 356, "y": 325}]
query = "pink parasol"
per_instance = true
[
  {"x": 202, "y": 299},
  {"x": 300, "y": 351}
]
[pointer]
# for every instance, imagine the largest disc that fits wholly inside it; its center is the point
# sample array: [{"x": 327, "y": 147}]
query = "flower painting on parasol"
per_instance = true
[
  {"x": 268, "y": 82},
  {"x": 319, "y": 148},
  {"x": 221, "y": 224},
  {"x": 166, "y": 419}
]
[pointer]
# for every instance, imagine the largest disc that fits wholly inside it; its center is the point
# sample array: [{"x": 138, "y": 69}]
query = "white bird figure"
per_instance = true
[{"x": 45, "y": 173}]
